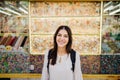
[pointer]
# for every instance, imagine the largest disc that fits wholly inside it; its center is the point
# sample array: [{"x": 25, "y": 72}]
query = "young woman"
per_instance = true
[{"x": 58, "y": 65}]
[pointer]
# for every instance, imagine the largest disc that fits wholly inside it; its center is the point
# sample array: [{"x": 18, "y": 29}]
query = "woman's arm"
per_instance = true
[
  {"x": 45, "y": 75},
  {"x": 77, "y": 71}
]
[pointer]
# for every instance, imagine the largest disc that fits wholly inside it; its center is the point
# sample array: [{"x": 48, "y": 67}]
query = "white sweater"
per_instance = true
[{"x": 62, "y": 69}]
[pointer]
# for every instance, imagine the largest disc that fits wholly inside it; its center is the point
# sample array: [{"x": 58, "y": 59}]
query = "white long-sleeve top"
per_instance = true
[{"x": 62, "y": 69}]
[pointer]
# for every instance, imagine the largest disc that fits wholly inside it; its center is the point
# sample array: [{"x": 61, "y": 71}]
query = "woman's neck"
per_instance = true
[{"x": 61, "y": 51}]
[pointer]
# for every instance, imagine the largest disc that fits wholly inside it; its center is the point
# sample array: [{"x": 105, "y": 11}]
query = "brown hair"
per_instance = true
[{"x": 53, "y": 55}]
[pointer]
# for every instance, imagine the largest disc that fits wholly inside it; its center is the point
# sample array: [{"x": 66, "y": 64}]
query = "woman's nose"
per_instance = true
[{"x": 62, "y": 37}]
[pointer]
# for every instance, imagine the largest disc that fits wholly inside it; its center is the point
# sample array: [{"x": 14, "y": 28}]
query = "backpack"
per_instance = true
[{"x": 72, "y": 56}]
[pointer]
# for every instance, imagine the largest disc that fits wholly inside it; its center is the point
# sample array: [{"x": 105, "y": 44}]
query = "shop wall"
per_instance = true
[
  {"x": 88, "y": 22},
  {"x": 24, "y": 39}
]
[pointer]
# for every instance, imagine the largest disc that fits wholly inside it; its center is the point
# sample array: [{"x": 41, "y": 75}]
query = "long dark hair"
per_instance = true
[{"x": 53, "y": 53}]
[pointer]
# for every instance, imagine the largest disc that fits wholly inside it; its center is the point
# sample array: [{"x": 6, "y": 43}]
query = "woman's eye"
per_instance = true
[
  {"x": 59, "y": 35},
  {"x": 66, "y": 36}
]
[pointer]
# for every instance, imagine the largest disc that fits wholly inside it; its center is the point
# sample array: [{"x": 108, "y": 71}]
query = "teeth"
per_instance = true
[{"x": 61, "y": 42}]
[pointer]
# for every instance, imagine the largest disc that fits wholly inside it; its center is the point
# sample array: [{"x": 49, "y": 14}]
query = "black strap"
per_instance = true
[{"x": 73, "y": 59}]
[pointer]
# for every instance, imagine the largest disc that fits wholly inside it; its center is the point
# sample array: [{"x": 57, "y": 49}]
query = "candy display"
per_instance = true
[
  {"x": 79, "y": 25},
  {"x": 37, "y": 62},
  {"x": 12, "y": 43},
  {"x": 64, "y": 13},
  {"x": 90, "y": 64},
  {"x": 110, "y": 64},
  {"x": 65, "y": 8},
  {"x": 41, "y": 43},
  {"x": 86, "y": 44},
  {"x": 111, "y": 35},
  {"x": 14, "y": 62},
  {"x": 13, "y": 24},
  {"x": 13, "y": 32},
  {"x": 24, "y": 39}
]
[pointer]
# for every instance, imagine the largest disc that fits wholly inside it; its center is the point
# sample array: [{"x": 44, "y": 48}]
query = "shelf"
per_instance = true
[
  {"x": 111, "y": 15},
  {"x": 37, "y": 17},
  {"x": 82, "y": 54},
  {"x": 85, "y": 54},
  {"x": 14, "y": 52},
  {"x": 14, "y": 34},
  {"x": 30, "y": 75},
  {"x": 72, "y": 34}
]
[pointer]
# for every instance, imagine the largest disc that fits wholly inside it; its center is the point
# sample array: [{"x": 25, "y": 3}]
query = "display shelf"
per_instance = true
[
  {"x": 14, "y": 62},
  {"x": 66, "y": 13},
  {"x": 86, "y": 44},
  {"x": 82, "y": 53},
  {"x": 110, "y": 64},
  {"x": 13, "y": 24},
  {"x": 65, "y": 8},
  {"x": 14, "y": 34},
  {"x": 90, "y": 64},
  {"x": 98, "y": 76},
  {"x": 14, "y": 31},
  {"x": 13, "y": 43},
  {"x": 110, "y": 29},
  {"x": 110, "y": 34},
  {"x": 40, "y": 43},
  {"x": 79, "y": 25},
  {"x": 36, "y": 17},
  {"x": 72, "y": 34},
  {"x": 111, "y": 15}
]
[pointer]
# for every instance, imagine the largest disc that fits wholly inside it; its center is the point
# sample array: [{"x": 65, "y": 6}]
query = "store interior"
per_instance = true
[{"x": 27, "y": 28}]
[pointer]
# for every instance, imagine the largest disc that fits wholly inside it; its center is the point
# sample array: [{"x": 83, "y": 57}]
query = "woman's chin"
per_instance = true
[{"x": 61, "y": 46}]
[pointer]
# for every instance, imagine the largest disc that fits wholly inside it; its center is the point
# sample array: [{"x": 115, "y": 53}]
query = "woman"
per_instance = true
[{"x": 59, "y": 66}]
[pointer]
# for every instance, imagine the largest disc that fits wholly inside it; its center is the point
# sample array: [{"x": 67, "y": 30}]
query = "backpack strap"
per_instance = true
[
  {"x": 73, "y": 59},
  {"x": 48, "y": 59}
]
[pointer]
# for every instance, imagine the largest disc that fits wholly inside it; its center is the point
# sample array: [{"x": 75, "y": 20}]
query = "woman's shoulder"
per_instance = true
[{"x": 47, "y": 51}]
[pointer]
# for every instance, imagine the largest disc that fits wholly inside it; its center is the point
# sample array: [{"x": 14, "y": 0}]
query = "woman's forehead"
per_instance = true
[{"x": 63, "y": 31}]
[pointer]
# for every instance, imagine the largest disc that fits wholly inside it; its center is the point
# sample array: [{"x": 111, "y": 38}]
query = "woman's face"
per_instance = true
[{"x": 62, "y": 38}]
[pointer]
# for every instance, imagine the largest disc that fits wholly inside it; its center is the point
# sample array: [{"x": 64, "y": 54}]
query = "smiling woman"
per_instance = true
[
  {"x": 62, "y": 58},
  {"x": 62, "y": 38}
]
